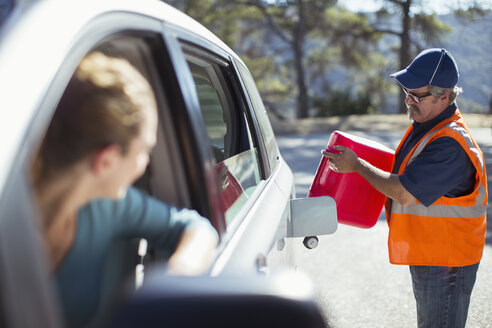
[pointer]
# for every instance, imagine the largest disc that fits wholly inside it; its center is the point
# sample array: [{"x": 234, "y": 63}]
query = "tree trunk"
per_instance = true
[
  {"x": 405, "y": 47},
  {"x": 302, "y": 95},
  {"x": 298, "y": 45}
]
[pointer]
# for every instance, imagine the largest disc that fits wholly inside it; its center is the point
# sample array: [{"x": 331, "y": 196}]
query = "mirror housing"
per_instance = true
[
  {"x": 313, "y": 216},
  {"x": 278, "y": 300}
]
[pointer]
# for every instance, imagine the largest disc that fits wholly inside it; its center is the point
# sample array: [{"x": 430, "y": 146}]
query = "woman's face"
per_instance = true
[{"x": 132, "y": 165}]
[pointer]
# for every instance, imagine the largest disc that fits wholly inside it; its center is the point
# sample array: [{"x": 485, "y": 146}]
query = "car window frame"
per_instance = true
[
  {"x": 191, "y": 131},
  {"x": 218, "y": 67},
  {"x": 175, "y": 38},
  {"x": 233, "y": 103},
  {"x": 236, "y": 230},
  {"x": 271, "y": 161},
  {"x": 238, "y": 87}
]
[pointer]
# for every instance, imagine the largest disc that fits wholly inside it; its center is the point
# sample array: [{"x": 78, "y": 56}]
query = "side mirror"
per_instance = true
[
  {"x": 279, "y": 300},
  {"x": 312, "y": 216}
]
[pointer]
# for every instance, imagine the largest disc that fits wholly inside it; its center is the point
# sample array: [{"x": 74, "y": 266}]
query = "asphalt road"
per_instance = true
[{"x": 356, "y": 285}]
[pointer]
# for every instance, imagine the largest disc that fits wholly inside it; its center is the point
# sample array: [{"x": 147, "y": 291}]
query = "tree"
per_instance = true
[
  {"x": 347, "y": 47},
  {"x": 236, "y": 23},
  {"x": 419, "y": 29},
  {"x": 290, "y": 45},
  {"x": 222, "y": 17},
  {"x": 292, "y": 21},
  {"x": 413, "y": 30}
]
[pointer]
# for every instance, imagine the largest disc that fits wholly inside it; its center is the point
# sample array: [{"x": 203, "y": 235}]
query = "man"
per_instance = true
[{"x": 436, "y": 192}]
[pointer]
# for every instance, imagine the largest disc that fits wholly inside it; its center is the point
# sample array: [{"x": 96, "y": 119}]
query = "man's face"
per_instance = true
[{"x": 422, "y": 106}]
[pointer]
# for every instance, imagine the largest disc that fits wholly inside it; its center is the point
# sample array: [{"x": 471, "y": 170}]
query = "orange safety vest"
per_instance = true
[{"x": 451, "y": 231}]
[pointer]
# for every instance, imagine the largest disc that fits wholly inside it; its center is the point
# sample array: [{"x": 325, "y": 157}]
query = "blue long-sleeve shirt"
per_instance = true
[{"x": 443, "y": 168}]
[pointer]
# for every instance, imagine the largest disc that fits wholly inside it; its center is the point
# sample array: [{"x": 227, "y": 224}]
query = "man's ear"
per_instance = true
[
  {"x": 442, "y": 98},
  {"x": 446, "y": 95},
  {"x": 106, "y": 159}
]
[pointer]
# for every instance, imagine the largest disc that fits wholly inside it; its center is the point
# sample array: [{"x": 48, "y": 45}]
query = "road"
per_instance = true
[{"x": 356, "y": 286}]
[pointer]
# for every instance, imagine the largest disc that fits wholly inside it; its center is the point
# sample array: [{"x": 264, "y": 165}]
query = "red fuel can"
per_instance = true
[{"x": 358, "y": 203}]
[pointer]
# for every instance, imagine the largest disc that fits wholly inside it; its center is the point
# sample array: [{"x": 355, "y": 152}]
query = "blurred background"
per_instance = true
[{"x": 321, "y": 58}]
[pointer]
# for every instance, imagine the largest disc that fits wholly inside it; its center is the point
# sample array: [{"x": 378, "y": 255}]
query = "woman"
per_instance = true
[{"x": 96, "y": 146}]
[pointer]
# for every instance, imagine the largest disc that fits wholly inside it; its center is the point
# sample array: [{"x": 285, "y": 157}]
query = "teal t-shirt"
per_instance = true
[{"x": 99, "y": 225}]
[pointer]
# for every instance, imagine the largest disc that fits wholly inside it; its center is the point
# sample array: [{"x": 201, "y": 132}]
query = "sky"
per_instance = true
[{"x": 437, "y": 6}]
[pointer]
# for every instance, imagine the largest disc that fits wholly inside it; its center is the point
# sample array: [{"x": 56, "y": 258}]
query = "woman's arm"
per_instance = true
[
  {"x": 184, "y": 233},
  {"x": 195, "y": 251}
]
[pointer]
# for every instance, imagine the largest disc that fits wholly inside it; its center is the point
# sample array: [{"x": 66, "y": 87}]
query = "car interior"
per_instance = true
[{"x": 124, "y": 266}]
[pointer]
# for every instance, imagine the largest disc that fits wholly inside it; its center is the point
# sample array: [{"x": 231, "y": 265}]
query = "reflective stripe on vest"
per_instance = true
[{"x": 450, "y": 232}]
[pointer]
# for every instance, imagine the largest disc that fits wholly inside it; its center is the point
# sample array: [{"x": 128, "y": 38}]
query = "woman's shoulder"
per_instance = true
[{"x": 133, "y": 201}]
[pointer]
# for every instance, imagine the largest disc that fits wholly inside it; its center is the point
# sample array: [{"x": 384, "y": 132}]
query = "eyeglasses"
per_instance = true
[{"x": 414, "y": 97}]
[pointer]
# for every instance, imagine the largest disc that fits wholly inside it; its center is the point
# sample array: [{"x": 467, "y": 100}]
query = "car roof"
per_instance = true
[{"x": 36, "y": 38}]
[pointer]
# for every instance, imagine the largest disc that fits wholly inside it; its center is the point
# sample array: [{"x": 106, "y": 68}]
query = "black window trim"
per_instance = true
[
  {"x": 257, "y": 133},
  {"x": 191, "y": 131}
]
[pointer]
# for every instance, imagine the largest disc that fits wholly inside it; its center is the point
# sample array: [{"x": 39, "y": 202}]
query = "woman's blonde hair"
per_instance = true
[{"x": 102, "y": 105}]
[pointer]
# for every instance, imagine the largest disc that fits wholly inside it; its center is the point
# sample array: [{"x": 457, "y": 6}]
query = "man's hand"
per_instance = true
[{"x": 344, "y": 161}]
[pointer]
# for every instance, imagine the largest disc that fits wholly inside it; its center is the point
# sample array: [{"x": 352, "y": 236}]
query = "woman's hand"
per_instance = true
[{"x": 194, "y": 253}]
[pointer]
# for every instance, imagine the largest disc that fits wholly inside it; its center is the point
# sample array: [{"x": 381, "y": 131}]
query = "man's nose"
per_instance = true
[{"x": 408, "y": 100}]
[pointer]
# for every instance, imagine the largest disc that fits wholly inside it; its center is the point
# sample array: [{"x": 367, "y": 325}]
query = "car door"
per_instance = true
[
  {"x": 253, "y": 208},
  {"x": 28, "y": 297}
]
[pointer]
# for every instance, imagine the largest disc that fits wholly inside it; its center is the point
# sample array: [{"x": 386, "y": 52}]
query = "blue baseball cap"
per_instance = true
[{"x": 432, "y": 66}]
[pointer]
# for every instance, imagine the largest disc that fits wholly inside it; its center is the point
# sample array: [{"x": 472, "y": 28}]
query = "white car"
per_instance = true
[{"x": 216, "y": 151}]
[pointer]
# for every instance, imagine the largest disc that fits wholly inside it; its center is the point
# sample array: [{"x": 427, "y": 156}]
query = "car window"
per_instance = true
[
  {"x": 262, "y": 117},
  {"x": 237, "y": 168},
  {"x": 163, "y": 178}
]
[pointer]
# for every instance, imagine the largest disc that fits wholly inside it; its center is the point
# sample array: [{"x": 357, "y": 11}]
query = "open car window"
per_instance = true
[{"x": 164, "y": 178}]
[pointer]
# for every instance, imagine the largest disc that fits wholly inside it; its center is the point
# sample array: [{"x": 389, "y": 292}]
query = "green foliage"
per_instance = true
[
  {"x": 471, "y": 14},
  {"x": 293, "y": 22},
  {"x": 429, "y": 28},
  {"x": 288, "y": 14},
  {"x": 222, "y": 17},
  {"x": 272, "y": 80},
  {"x": 349, "y": 33},
  {"x": 343, "y": 103}
]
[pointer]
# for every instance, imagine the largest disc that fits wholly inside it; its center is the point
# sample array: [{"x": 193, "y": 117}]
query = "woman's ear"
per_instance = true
[{"x": 106, "y": 159}]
